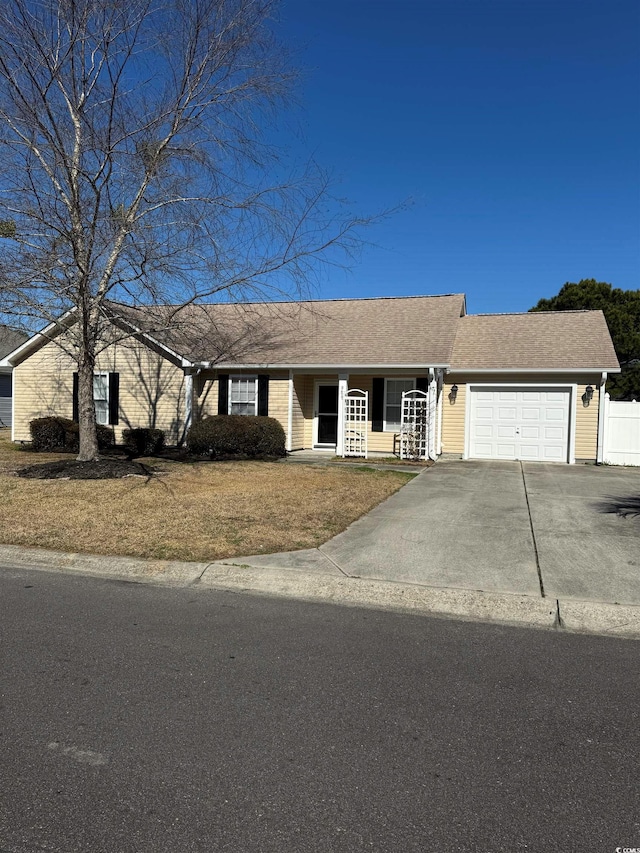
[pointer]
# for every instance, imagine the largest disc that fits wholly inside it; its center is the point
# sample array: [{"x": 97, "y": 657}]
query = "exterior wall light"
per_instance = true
[
  {"x": 453, "y": 393},
  {"x": 587, "y": 397}
]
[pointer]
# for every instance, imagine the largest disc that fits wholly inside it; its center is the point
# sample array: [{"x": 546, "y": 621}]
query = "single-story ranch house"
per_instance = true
[{"x": 491, "y": 386}]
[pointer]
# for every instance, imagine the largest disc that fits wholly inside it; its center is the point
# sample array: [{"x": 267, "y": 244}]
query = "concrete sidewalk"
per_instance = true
[{"x": 550, "y": 546}]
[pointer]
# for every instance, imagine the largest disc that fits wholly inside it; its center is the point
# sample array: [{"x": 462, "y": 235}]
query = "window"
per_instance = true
[
  {"x": 243, "y": 395},
  {"x": 101, "y": 397},
  {"x": 393, "y": 389}
]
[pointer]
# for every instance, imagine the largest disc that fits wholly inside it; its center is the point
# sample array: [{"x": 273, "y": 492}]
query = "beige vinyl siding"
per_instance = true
[
  {"x": 586, "y": 420},
  {"x": 298, "y": 420},
  {"x": 151, "y": 388},
  {"x": 587, "y": 423},
  {"x": 453, "y": 416}
]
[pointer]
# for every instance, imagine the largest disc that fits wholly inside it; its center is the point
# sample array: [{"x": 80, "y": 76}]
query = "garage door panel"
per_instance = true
[
  {"x": 530, "y": 452},
  {"x": 525, "y": 423},
  {"x": 529, "y": 414},
  {"x": 554, "y": 433},
  {"x": 554, "y": 454},
  {"x": 530, "y": 432},
  {"x": 483, "y": 430},
  {"x": 555, "y": 414},
  {"x": 484, "y": 413}
]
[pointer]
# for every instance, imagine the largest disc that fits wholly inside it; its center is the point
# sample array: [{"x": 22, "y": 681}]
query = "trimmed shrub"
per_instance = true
[
  {"x": 236, "y": 435},
  {"x": 63, "y": 435},
  {"x": 143, "y": 441}
]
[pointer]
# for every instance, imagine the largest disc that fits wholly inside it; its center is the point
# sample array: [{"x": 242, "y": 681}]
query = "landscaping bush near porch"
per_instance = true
[
  {"x": 248, "y": 436},
  {"x": 52, "y": 434}
]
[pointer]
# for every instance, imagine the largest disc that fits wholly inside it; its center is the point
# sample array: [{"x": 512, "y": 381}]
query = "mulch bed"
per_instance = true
[{"x": 99, "y": 469}]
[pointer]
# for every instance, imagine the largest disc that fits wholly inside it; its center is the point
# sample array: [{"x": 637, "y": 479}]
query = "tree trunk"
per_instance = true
[{"x": 86, "y": 410}]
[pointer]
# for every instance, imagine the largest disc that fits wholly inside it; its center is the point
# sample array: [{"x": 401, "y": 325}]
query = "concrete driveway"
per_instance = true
[{"x": 505, "y": 527}]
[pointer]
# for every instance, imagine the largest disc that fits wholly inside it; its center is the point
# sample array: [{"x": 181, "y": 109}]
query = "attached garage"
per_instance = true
[
  {"x": 528, "y": 387},
  {"x": 526, "y": 422}
]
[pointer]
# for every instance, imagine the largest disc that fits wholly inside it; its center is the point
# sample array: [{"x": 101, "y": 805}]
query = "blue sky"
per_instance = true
[{"x": 513, "y": 125}]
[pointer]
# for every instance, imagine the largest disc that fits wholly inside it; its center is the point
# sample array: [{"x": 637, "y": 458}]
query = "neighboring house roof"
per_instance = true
[
  {"x": 10, "y": 339},
  {"x": 400, "y": 331},
  {"x": 545, "y": 340}
]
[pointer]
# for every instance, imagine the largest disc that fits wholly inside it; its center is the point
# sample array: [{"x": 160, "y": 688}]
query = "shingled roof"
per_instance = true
[
  {"x": 545, "y": 340},
  {"x": 400, "y": 331},
  {"x": 10, "y": 339}
]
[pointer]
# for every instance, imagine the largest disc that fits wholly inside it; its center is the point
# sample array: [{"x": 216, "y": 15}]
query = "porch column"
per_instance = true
[
  {"x": 188, "y": 401},
  {"x": 440, "y": 395},
  {"x": 433, "y": 414},
  {"x": 343, "y": 387},
  {"x": 603, "y": 406},
  {"x": 290, "y": 414}
]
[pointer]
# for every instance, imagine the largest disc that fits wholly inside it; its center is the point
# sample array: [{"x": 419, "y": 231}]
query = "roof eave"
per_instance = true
[{"x": 476, "y": 370}]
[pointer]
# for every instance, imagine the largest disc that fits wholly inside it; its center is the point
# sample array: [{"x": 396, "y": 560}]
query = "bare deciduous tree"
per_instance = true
[{"x": 136, "y": 167}]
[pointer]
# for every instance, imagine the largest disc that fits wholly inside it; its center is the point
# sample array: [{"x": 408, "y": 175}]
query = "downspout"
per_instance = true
[{"x": 601, "y": 422}]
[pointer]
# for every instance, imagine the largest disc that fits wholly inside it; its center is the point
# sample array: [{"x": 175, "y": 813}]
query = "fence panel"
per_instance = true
[{"x": 621, "y": 433}]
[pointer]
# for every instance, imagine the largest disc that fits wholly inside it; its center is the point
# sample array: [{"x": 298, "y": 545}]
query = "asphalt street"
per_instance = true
[{"x": 141, "y": 719}]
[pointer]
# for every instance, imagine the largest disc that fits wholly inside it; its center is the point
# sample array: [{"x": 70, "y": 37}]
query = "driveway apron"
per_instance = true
[
  {"x": 456, "y": 525},
  {"x": 586, "y": 520}
]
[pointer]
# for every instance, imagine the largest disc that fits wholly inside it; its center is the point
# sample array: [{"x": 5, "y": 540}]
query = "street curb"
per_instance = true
[
  {"x": 286, "y": 582},
  {"x": 472, "y": 605}
]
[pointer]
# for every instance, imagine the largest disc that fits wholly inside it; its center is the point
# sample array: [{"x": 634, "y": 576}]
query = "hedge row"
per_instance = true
[
  {"x": 217, "y": 436},
  {"x": 143, "y": 441},
  {"x": 236, "y": 435},
  {"x": 61, "y": 434}
]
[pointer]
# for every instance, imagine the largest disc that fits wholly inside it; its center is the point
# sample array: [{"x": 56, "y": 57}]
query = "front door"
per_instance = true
[{"x": 326, "y": 414}]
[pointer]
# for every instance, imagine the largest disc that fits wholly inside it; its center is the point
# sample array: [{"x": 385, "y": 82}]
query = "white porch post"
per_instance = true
[
  {"x": 603, "y": 405},
  {"x": 439, "y": 398},
  {"x": 433, "y": 402},
  {"x": 290, "y": 414},
  {"x": 343, "y": 387},
  {"x": 188, "y": 401}
]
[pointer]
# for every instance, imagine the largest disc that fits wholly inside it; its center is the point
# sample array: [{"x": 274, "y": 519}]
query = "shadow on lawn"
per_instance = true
[{"x": 626, "y": 506}]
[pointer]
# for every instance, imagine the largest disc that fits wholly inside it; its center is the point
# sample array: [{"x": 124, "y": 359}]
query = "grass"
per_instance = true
[{"x": 193, "y": 511}]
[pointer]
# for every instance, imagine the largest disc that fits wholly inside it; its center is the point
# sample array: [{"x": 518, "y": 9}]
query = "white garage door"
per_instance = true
[{"x": 528, "y": 423}]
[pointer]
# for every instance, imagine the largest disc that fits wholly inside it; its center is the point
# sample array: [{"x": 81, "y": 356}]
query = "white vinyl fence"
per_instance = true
[{"x": 621, "y": 440}]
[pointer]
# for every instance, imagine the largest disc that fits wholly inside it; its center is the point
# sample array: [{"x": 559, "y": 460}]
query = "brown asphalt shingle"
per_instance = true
[
  {"x": 540, "y": 339},
  {"x": 417, "y": 330}
]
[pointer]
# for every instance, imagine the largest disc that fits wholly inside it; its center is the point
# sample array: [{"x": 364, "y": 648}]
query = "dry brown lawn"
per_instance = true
[{"x": 193, "y": 511}]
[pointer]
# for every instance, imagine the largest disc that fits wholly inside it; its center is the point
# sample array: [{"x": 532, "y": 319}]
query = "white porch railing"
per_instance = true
[
  {"x": 356, "y": 410},
  {"x": 414, "y": 426},
  {"x": 621, "y": 427}
]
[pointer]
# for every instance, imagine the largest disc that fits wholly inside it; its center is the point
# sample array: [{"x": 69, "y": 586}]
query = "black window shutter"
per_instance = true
[
  {"x": 422, "y": 383},
  {"x": 223, "y": 394},
  {"x": 76, "y": 412},
  {"x": 263, "y": 394},
  {"x": 377, "y": 404},
  {"x": 114, "y": 398}
]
